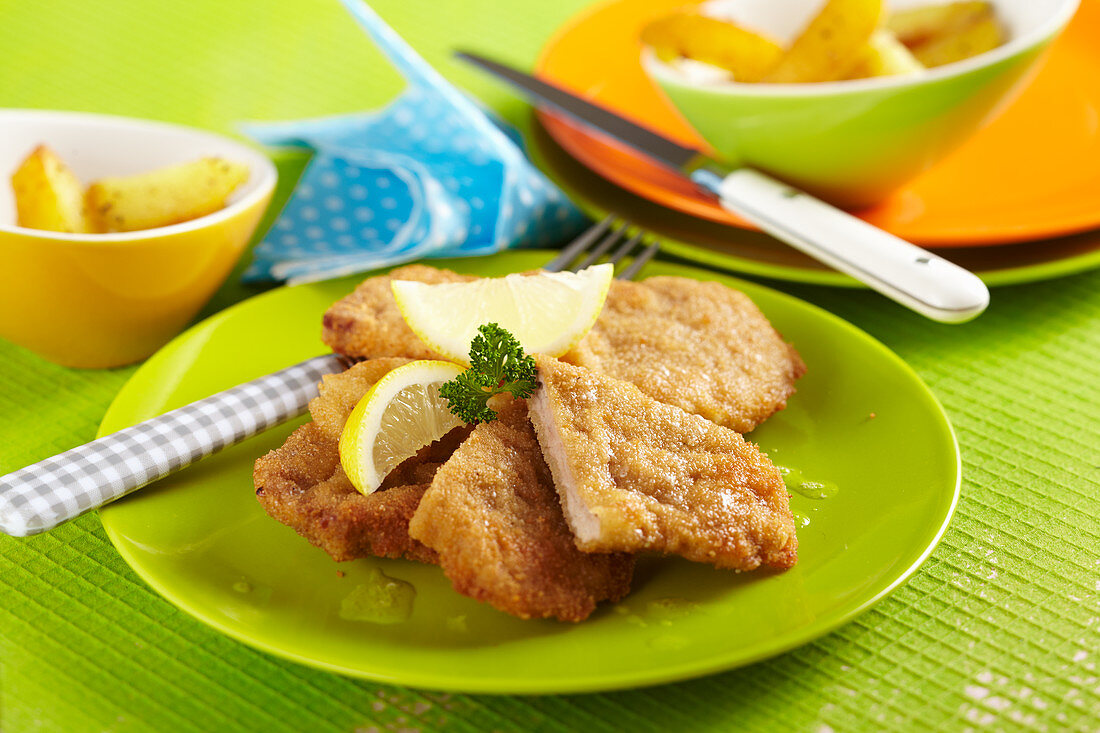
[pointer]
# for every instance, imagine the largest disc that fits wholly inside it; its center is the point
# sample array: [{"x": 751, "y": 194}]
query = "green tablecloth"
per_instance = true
[{"x": 998, "y": 630}]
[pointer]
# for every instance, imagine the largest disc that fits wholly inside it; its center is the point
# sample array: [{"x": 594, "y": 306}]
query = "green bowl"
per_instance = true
[{"x": 854, "y": 142}]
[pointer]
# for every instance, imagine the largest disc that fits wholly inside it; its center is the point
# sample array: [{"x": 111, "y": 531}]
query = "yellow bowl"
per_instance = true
[{"x": 103, "y": 300}]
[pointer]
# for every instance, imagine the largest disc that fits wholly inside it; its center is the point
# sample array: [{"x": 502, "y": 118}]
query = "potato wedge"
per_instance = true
[
  {"x": 47, "y": 194},
  {"x": 985, "y": 35},
  {"x": 921, "y": 24},
  {"x": 829, "y": 45},
  {"x": 884, "y": 55},
  {"x": 745, "y": 54},
  {"x": 164, "y": 196}
]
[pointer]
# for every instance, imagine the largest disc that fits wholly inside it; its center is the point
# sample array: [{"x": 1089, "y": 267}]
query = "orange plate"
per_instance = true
[{"x": 1033, "y": 173}]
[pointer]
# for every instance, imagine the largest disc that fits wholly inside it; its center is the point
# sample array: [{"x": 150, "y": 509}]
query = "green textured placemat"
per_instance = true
[{"x": 998, "y": 630}]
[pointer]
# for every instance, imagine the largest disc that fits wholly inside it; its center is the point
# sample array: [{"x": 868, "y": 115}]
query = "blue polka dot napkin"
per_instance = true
[{"x": 430, "y": 175}]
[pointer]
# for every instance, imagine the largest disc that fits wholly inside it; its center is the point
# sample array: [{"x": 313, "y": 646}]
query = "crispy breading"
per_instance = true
[
  {"x": 302, "y": 484},
  {"x": 635, "y": 474},
  {"x": 338, "y": 394},
  {"x": 701, "y": 346},
  {"x": 697, "y": 345},
  {"x": 367, "y": 322},
  {"x": 493, "y": 517}
]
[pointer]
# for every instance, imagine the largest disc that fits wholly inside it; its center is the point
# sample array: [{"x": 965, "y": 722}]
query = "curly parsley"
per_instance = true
[{"x": 497, "y": 366}]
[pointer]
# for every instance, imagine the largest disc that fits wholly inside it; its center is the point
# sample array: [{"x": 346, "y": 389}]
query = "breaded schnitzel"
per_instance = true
[
  {"x": 338, "y": 394},
  {"x": 698, "y": 345},
  {"x": 367, "y": 322},
  {"x": 636, "y": 474},
  {"x": 302, "y": 484},
  {"x": 493, "y": 516}
]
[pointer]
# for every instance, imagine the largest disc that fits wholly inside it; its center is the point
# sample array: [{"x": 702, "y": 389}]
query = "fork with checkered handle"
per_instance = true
[{"x": 45, "y": 494}]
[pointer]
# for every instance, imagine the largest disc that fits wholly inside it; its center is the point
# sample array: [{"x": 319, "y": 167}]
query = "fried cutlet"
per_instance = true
[
  {"x": 367, "y": 322},
  {"x": 302, "y": 484},
  {"x": 338, "y": 394},
  {"x": 494, "y": 518},
  {"x": 636, "y": 474},
  {"x": 698, "y": 345}
]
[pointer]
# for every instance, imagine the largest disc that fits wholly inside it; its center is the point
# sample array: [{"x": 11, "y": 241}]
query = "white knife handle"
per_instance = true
[{"x": 914, "y": 277}]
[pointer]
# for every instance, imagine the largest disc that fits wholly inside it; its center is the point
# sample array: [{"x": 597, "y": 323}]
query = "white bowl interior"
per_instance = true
[
  {"x": 1028, "y": 22},
  {"x": 783, "y": 19},
  {"x": 95, "y": 146}
]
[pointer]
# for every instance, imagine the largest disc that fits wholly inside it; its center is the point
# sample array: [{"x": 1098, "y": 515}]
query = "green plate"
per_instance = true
[
  {"x": 861, "y": 419},
  {"x": 754, "y": 253}
]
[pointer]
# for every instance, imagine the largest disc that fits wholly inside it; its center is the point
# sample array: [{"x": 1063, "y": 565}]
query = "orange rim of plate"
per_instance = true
[{"x": 1033, "y": 173}]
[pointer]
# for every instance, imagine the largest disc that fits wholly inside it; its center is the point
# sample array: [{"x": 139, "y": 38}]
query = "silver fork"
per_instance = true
[
  {"x": 581, "y": 253},
  {"x": 53, "y": 491}
]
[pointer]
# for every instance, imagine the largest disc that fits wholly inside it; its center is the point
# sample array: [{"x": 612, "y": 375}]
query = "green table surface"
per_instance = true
[{"x": 999, "y": 629}]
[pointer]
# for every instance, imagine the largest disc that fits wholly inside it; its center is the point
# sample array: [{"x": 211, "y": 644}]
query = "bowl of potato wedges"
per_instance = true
[
  {"x": 114, "y": 232},
  {"x": 847, "y": 99}
]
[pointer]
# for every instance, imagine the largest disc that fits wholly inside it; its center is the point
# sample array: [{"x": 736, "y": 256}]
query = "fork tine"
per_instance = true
[
  {"x": 578, "y": 245},
  {"x": 624, "y": 250},
  {"x": 639, "y": 262},
  {"x": 602, "y": 248}
]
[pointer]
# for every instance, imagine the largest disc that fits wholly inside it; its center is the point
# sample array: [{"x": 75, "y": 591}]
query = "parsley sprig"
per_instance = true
[{"x": 497, "y": 366}]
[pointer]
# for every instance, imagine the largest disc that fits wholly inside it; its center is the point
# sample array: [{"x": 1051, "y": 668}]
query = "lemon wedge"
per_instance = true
[
  {"x": 400, "y": 414},
  {"x": 548, "y": 312}
]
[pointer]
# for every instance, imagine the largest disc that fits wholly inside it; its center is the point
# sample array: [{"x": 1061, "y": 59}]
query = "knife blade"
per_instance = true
[
  {"x": 913, "y": 277},
  {"x": 661, "y": 149}
]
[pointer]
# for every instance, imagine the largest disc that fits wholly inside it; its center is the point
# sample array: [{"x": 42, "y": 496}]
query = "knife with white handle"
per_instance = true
[{"x": 914, "y": 277}]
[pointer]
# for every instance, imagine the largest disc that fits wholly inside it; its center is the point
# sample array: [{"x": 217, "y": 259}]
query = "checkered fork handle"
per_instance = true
[{"x": 41, "y": 496}]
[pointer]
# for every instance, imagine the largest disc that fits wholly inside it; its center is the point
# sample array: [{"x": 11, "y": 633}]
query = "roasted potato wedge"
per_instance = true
[
  {"x": 830, "y": 44},
  {"x": 47, "y": 194},
  {"x": 985, "y": 35},
  {"x": 883, "y": 55},
  {"x": 746, "y": 55},
  {"x": 928, "y": 22},
  {"x": 162, "y": 197}
]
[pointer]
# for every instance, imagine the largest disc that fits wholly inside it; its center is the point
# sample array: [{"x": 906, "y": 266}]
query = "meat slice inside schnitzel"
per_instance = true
[
  {"x": 367, "y": 322},
  {"x": 302, "y": 484},
  {"x": 635, "y": 474},
  {"x": 697, "y": 345},
  {"x": 494, "y": 519},
  {"x": 701, "y": 346}
]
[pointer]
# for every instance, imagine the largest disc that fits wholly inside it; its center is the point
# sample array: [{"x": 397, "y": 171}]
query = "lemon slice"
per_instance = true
[
  {"x": 548, "y": 312},
  {"x": 400, "y": 414}
]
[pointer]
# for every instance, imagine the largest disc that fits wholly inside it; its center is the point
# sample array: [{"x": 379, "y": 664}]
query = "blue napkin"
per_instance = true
[{"x": 430, "y": 175}]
